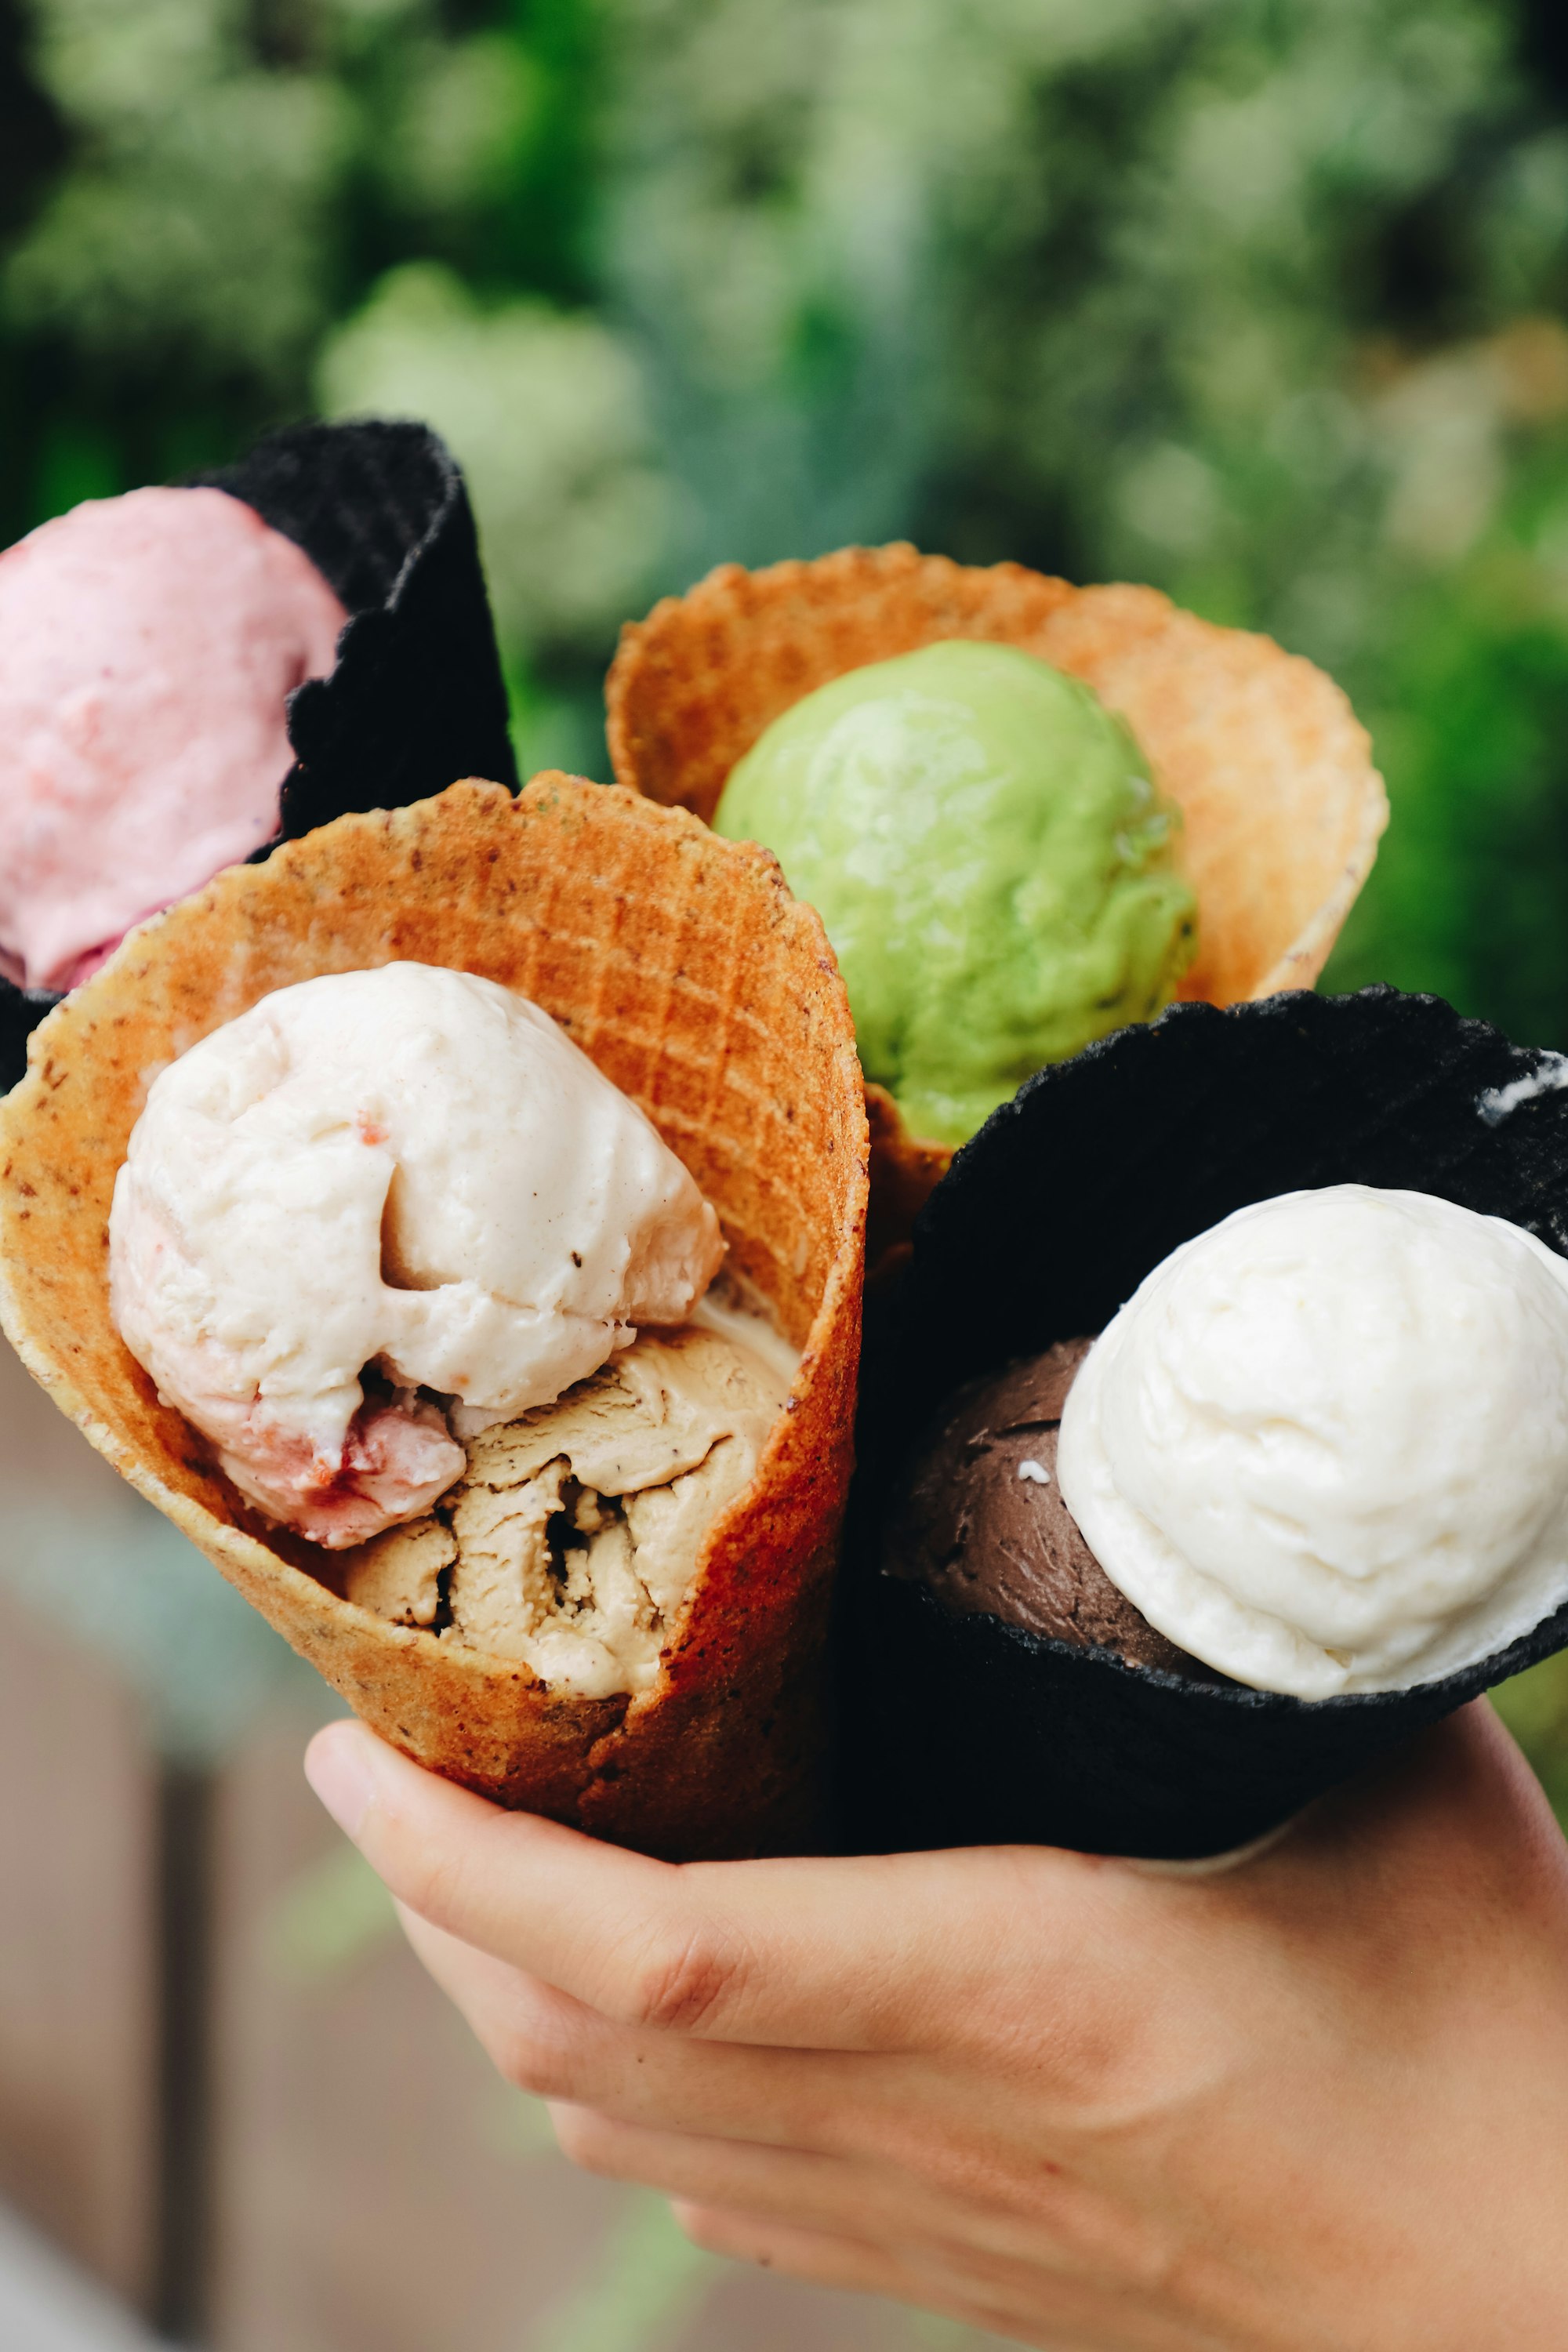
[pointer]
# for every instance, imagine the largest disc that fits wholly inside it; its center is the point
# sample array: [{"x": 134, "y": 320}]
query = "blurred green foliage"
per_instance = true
[
  {"x": 648, "y": 2281},
  {"x": 1534, "y": 1706},
  {"x": 1261, "y": 300}
]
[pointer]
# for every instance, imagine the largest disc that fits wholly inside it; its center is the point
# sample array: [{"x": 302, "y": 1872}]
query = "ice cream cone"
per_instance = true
[
  {"x": 1282, "y": 807},
  {"x": 964, "y": 1729},
  {"x": 415, "y": 699},
  {"x": 682, "y": 965}
]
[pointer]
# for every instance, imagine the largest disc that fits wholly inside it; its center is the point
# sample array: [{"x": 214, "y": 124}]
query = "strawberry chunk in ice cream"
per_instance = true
[
  {"x": 148, "y": 647},
  {"x": 378, "y": 1213}
]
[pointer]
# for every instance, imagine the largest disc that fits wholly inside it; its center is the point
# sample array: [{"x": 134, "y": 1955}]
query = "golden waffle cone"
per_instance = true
[
  {"x": 683, "y": 968},
  {"x": 1281, "y": 804}
]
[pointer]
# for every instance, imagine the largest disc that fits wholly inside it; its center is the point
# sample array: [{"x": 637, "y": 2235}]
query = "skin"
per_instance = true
[{"x": 1312, "y": 2103}]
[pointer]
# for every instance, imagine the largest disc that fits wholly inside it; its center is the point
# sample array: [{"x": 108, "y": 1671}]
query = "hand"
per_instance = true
[{"x": 1314, "y": 2103}]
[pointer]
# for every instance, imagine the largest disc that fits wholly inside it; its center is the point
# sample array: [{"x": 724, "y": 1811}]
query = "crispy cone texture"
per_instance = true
[
  {"x": 1283, "y": 807},
  {"x": 683, "y": 967}
]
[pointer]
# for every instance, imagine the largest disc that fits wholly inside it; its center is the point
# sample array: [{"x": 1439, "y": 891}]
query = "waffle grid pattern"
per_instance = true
[
  {"x": 681, "y": 964},
  {"x": 1283, "y": 808}
]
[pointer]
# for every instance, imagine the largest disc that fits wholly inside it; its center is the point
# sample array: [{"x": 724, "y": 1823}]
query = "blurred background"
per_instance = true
[{"x": 1265, "y": 301}]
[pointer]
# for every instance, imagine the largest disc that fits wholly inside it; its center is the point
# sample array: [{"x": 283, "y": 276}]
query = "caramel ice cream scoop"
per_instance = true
[{"x": 574, "y": 1534}]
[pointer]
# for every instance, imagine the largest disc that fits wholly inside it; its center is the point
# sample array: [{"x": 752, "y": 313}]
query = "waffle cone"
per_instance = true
[
  {"x": 1281, "y": 804},
  {"x": 683, "y": 968}
]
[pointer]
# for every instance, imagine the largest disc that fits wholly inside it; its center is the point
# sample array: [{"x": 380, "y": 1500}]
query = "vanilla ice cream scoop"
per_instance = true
[
  {"x": 409, "y": 1170},
  {"x": 148, "y": 647},
  {"x": 1324, "y": 1445}
]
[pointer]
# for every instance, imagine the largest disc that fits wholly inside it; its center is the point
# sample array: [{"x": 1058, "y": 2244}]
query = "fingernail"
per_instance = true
[{"x": 337, "y": 1768}]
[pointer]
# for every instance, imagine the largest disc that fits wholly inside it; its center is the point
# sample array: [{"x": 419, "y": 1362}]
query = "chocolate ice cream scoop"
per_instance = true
[{"x": 981, "y": 1522}]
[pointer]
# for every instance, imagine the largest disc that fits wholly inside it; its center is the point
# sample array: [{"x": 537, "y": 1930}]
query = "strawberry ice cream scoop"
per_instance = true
[
  {"x": 379, "y": 1213},
  {"x": 148, "y": 647}
]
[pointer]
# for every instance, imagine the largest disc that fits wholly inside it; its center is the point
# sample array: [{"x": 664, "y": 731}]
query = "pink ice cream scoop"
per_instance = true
[{"x": 148, "y": 646}]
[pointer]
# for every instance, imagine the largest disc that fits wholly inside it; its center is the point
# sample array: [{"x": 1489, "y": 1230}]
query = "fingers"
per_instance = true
[
  {"x": 694, "y": 2117},
  {"x": 877, "y": 1953},
  {"x": 1035, "y": 2229},
  {"x": 807, "y": 2191},
  {"x": 544, "y": 2042},
  {"x": 875, "y": 2203},
  {"x": 814, "y": 2256},
  {"x": 856, "y": 2266}
]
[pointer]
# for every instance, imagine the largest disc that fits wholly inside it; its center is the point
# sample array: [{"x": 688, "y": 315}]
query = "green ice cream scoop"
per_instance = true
[{"x": 986, "y": 846}]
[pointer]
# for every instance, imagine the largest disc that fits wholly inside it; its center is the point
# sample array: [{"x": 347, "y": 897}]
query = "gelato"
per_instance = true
[
  {"x": 983, "y": 1526},
  {"x": 1324, "y": 1446},
  {"x": 574, "y": 1532},
  {"x": 150, "y": 646},
  {"x": 991, "y": 858},
  {"x": 380, "y": 1212}
]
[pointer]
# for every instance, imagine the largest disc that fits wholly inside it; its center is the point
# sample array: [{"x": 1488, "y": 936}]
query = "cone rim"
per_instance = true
[
  {"x": 1454, "y": 1689},
  {"x": 898, "y": 566}
]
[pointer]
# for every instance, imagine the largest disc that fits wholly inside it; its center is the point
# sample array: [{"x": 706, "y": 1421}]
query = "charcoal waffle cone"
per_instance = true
[
  {"x": 684, "y": 969},
  {"x": 966, "y": 1730},
  {"x": 415, "y": 697},
  {"x": 1282, "y": 805}
]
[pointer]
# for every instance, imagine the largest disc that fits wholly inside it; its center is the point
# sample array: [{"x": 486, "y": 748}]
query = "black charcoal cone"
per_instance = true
[
  {"x": 966, "y": 1731},
  {"x": 21, "y": 1010},
  {"x": 415, "y": 699}
]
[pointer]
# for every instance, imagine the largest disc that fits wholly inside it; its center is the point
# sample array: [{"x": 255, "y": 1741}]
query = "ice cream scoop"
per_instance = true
[
  {"x": 573, "y": 1535},
  {"x": 1324, "y": 1446},
  {"x": 975, "y": 1727},
  {"x": 982, "y": 1524},
  {"x": 991, "y": 858},
  {"x": 149, "y": 644},
  {"x": 409, "y": 1169}
]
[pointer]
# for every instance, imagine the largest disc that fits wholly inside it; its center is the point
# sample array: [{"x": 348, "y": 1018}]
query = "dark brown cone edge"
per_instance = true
[
  {"x": 965, "y": 1731},
  {"x": 415, "y": 699}
]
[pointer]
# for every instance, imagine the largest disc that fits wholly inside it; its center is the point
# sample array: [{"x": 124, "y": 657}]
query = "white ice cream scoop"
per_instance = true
[
  {"x": 409, "y": 1170},
  {"x": 1324, "y": 1446}
]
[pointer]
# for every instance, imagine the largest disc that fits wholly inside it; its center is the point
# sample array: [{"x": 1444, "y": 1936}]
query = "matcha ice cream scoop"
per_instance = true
[{"x": 988, "y": 851}]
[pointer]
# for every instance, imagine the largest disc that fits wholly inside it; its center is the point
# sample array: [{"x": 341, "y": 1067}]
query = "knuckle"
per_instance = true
[
  {"x": 1092, "y": 2060},
  {"x": 688, "y": 1982},
  {"x": 589, "y": 2141},
  {"x": 707, "y": 2227},
  {"x": 537, "y": 2056}
]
